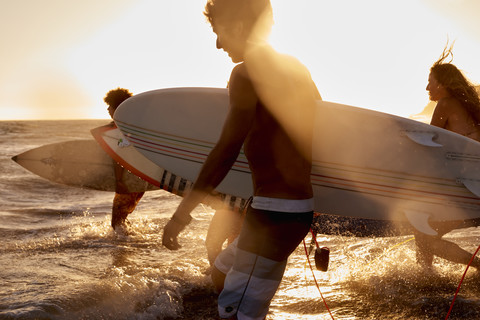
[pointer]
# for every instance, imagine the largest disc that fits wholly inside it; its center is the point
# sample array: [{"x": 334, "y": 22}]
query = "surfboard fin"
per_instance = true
[
  {"x": 423, "y": 138},
  {"x": 419, "y": 220},
  {"x": 472, "y": 185}
]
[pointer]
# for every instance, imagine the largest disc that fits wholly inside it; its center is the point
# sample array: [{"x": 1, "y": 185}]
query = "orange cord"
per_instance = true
[{"x": 315, "y": 279}]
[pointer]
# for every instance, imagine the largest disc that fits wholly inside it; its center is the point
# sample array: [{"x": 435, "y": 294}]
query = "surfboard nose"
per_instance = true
[{"x": 14, "y": 158}]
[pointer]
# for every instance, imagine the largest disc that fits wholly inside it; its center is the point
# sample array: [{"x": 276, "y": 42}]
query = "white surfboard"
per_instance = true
[
  {"x": 366, "y": 164},
  {"x": 78, "y": 163},
  {"x": 114, "y": 143}
]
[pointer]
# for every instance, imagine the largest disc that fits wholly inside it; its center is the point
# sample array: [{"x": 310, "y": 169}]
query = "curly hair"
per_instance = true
[
  {"x": 457, "y": 85},
  {"x": 116, "y": 96}
]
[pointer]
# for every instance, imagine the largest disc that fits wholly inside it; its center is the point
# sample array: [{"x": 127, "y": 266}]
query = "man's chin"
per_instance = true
[{"x": 236, "y": 59}]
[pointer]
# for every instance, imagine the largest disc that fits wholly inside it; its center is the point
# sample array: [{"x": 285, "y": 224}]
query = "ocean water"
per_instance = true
[{"x": 60, "y": 259}]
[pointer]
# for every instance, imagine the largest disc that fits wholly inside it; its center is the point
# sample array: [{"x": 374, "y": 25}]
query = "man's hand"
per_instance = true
[{"x": 171, "y": 231}]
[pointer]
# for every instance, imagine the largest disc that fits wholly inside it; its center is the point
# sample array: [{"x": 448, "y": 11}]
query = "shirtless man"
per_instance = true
[
  {"x": 272, "y": 107},
  {"x": 457, "y": 110}
]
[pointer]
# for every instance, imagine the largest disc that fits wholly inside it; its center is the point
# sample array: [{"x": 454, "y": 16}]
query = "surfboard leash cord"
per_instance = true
[
  {"x": 460, "y": 284},
  {"x": 313, "y": 273},
  {"x": 325, "y": 302}
]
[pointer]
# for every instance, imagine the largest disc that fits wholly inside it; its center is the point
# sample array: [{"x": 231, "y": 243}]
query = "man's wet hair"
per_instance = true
[{"x": 246, "y": 11}]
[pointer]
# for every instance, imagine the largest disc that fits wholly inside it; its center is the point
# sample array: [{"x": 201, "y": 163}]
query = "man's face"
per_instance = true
[{"x": 231, "y": 39}]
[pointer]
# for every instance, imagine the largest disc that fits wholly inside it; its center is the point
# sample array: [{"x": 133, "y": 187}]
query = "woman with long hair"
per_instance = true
[
  {"x": 458, "y": 104},
  {"x": 457, "y": 110}
]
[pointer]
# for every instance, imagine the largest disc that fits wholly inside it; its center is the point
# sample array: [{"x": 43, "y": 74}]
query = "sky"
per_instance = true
[{"x": 59, "y": 58}]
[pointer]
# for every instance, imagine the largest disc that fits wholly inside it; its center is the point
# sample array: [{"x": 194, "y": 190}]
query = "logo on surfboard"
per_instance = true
[{"x": 123, "y": 143}]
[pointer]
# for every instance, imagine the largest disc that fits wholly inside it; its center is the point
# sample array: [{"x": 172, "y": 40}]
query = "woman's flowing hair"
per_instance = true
[{"x": 456, "y": 83}]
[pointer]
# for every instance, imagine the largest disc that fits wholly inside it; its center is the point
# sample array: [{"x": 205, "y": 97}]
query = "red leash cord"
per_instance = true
[
  {"x": 313, "y": 274},
  {"x": 325, "y": 302},
  {"x": 460, "y": 284}
]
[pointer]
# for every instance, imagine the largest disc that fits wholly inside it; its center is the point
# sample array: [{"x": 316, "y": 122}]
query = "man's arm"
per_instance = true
[{"x": 222, "y": 157}]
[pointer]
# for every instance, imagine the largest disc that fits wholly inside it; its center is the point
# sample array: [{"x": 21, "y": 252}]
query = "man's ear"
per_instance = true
[{"x": 238, "y": 29}]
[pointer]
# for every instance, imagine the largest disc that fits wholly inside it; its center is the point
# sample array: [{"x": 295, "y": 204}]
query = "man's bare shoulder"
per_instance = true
[
  {"x": 240, "y": 88},
  {"x": 239, "y": 70}
]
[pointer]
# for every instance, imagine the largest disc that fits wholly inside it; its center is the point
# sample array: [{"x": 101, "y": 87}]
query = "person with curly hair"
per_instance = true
[
  {"x": 124, "y": 201},
  {"x": 457, "y": 110},
  {"x": 225, "y": 223}
]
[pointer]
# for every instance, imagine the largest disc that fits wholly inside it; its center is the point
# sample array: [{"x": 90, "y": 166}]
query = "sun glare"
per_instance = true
[
  {"x": 361, "y": 53},
  {"x": 364, "y": 53}
]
